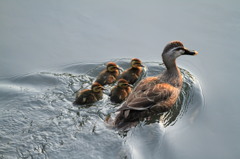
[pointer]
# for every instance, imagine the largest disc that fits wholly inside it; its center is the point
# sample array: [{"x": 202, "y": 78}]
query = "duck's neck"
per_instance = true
[
  {"x": 172, "y": 74},
  {"x": 171, "y": 66}
]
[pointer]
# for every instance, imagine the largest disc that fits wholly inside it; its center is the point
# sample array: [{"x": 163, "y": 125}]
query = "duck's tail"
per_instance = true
[
  {"x": 120, "y": 123},
  {"x": 109, "y": 122}
]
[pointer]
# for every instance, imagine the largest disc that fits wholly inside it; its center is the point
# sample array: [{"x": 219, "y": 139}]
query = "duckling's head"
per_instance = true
[
  {"x": 135, "y": 63},
  {"x": 173, "y": 50},
  {"x": 112, "y": 67},
  {"x": 122, "y": 83},
  {"x": 96, "y": 87}
]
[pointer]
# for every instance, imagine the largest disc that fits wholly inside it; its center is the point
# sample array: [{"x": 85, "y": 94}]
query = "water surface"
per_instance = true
[{"x": 40, "y": 121}]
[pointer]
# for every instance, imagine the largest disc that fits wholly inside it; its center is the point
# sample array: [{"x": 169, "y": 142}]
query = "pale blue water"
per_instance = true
[{"x": 50, "y": 49}]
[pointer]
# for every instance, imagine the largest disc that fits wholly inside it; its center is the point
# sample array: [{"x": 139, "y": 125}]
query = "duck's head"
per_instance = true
[
  {"x": 112, "y": 67},
  {"x": 123, "y": 83},
  {"x": 173, "y": 50},
  {"x": 96, "y": 87},
  {"x": 135, "y": 63}
]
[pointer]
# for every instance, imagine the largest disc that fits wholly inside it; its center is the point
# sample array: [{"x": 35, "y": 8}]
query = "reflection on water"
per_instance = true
[{"x": 38, "y": 119}]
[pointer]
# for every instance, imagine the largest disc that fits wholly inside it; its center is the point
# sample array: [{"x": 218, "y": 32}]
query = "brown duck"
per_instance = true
[
  {"x": 132, "y": 74},
  {"x": 109, "y": 75},
  {"x": 121, "y": 91},
  {"x": 154, "y": 95},
  {"x": 88, "y": 96}
]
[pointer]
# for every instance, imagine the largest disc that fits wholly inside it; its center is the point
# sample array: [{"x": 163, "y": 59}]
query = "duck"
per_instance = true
[
  {"x": 109, "y": 75},
  {"x": 153, "y": 95},
  {"x": 89, "y": 96},
  {"x": 121, "y": 91},
  {"x": 133, "y": 73}
]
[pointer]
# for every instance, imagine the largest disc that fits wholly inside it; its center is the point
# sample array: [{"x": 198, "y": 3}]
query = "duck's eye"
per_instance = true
[{"x": 178, "y": 49}]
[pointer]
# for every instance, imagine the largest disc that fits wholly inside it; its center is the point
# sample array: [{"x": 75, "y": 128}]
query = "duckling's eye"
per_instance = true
[
  {"x": 99, "y": 88},
  {"x": 123, "y": 84},
  {"x": 134, "y": 62},
  {"x": 112, "y": 68}
]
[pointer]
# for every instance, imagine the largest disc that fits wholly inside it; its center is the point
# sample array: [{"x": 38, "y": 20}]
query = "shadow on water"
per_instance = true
[{"x": 38, "y": 119}]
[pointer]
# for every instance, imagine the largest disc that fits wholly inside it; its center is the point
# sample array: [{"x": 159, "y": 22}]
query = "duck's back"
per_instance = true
[{"x": 151, "y": 96}]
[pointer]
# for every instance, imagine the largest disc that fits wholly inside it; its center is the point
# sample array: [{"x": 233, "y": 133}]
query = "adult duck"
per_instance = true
[{"x": 154, "y": 95}]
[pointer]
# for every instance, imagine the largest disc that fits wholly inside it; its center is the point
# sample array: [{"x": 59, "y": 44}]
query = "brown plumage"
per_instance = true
[
  {"x": 109, "y": 74},
  {"x": 120, "y": 92},
  {"x": 154, "y": 95},
  {"x": 133, "y": 73},
  {"x": 88, "y": 96}
]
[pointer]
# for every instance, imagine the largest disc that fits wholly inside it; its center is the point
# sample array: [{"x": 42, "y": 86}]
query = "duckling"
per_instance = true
[
  {"x": 120, "y": 92},
  {"x": 154, "y": 95},
  {"x": 132, "y": 74},
  {"x": 108, "y": 75},
  {"x": 88, "y": 96}
]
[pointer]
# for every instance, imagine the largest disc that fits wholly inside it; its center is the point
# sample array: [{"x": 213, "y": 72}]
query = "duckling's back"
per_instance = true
[
  {"x": 131, "y": 75},
  {"x": 106, "y": 77}
]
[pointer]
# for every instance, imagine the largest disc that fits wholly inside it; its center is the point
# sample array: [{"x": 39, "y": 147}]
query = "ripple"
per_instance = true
[{"x": 38, "y": 119}]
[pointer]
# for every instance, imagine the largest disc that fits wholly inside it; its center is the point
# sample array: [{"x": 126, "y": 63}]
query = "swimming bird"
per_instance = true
[
  {"x": 133, "y": 73},
  {"x": 109, "y": 74},
  {"x": 153, "y": 95},
  {"x": 88, "y": 96},
  {"x": 120, "y": 92}
]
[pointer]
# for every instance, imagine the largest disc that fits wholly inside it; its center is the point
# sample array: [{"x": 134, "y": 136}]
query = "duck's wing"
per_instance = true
[{"x": 146, "y": 97}]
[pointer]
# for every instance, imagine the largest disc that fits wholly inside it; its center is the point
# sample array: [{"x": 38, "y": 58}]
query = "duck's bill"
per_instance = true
[{"x": 190, "y": 52}]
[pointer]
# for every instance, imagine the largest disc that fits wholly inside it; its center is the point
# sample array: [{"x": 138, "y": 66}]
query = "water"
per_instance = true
[
  {"x": 50, "y": 49},
  {"x": 43, "y": 123}
]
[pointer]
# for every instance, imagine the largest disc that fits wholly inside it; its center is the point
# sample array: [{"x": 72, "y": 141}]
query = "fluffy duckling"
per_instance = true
[
  {"x": 133, "y": 73},
  {"x": 154, "y": 95},
  {"x": 88, "y": 96},
  {"x": 121, "y": 91},
  {"x": 108, "y": 75}
]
